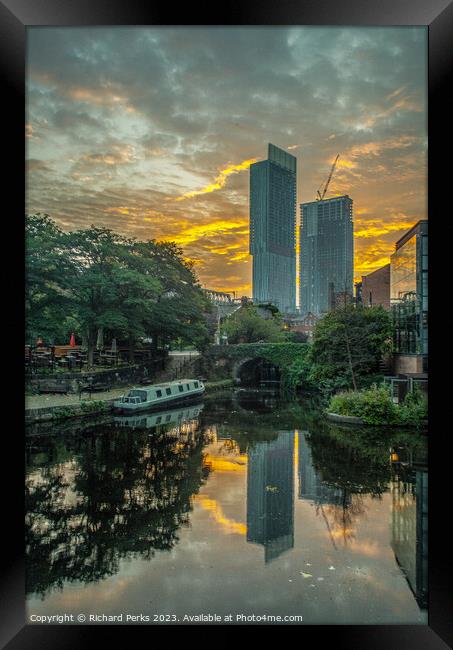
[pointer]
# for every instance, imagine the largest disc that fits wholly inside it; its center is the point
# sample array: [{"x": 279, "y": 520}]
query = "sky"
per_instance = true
[{"x": 151, "y": 131}]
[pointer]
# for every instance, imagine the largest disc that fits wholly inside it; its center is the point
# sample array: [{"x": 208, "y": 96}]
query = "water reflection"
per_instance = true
[
  {"x": 410, "y": 530},
  {"x": 108, "y": 495},
  {"x": 260, "y": 490},
  {"x": 270, "y": 495}
]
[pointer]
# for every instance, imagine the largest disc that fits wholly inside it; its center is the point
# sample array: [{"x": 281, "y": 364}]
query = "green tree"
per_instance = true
[
  {"x": 94, "y": 278},
  {"x": 180, "y": 309},
  {"x": 107, "y": 288},
  {"x": 348, "y": 344},
  {"x": 247, "y": 326},
  {"x": 47, "y": 308}
]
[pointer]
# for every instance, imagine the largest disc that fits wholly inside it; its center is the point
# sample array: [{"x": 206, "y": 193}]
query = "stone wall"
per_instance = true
[{"x": 116, "y": 376}]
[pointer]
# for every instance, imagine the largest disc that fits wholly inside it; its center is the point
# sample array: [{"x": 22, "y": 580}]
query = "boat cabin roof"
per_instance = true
[{"x": 166, "y": 384}]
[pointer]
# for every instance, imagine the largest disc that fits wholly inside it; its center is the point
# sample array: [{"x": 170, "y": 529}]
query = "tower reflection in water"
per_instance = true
[
  {"x": 410, "y": 529},
  {"x": 270, "y": 495},
  {"x": 270, "y": 503}
]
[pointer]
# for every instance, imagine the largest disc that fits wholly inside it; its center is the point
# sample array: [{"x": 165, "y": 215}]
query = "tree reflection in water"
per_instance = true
[
  {"x": 109, "y": 494},
  {"x": 98, "y": 494},
  {"x": 352, "y": 463}
]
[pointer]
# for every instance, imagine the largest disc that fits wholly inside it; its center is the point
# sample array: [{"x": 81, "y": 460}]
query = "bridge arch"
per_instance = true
[{"x": 255, "y": 371}]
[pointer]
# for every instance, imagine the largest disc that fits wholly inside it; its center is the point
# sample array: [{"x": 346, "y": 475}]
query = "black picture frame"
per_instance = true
[{"x": 15, "y": 17}]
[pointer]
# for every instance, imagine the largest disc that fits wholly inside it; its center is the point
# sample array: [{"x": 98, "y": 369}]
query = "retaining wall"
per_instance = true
[{"x": 117, "y": 376}]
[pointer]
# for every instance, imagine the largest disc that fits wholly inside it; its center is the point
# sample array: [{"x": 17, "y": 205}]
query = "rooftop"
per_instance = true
[{"x": 410, "y": 233}]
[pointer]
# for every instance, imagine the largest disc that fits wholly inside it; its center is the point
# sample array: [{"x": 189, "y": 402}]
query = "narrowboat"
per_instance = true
[{"x": 158, "y": 396}]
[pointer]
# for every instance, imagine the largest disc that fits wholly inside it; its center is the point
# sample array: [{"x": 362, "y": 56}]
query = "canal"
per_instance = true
[{"x": 243, "y": 505}]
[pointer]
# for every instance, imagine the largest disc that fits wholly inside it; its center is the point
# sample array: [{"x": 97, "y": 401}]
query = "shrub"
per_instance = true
[
  {"x": 414, "y": 410},
  {"x": 375, "y": 406}
]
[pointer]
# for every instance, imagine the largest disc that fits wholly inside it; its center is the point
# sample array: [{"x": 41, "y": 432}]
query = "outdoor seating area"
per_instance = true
[{"x": 67, "y": 358}]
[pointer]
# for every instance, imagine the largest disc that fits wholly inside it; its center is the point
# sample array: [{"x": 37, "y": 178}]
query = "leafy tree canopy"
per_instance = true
[
  {"x": 247, "y": 326},
  {"x": 348, "y": 344},
  {"x": 94, "y": 278}
]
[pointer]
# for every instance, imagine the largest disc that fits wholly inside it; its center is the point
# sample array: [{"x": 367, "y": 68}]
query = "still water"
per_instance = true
[{"x": 242, "y": 505}]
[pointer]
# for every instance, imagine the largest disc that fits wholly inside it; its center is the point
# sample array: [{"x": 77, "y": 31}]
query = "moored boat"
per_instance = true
[{"x": 154, "y": 396}]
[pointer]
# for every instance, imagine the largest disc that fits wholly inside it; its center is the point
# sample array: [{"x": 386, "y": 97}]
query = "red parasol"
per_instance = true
[{"x": 72, "y": 342}]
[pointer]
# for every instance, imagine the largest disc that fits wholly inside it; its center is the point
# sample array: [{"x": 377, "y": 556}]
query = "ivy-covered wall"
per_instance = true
[{"x": 291, "y": 358}]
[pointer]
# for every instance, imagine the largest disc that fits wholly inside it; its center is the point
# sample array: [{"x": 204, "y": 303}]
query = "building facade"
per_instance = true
[
  {"x": 409, "y": 300},
  {"x": 273, "y": 229},
  {"x": 376, "y": 288},
  {"x": 326, "y": 253},
  {"x": 303, "y": 324}
]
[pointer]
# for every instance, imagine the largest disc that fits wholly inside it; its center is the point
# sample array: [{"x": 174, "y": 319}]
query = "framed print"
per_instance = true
[{"x": 226, "y": 322}]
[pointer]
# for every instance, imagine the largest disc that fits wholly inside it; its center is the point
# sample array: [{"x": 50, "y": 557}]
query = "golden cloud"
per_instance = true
[
  {"x": 196, "y": 232},
  {"x": 119, "y": 155},
  {"x": 216, "y": 512},
  {"x": 220, "y": 180},
  {"x": 374, "y": 227},
  {"x": 99, "y": 97}
]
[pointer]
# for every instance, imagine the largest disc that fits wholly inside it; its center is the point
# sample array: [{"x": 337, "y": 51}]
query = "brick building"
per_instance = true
[{"x": 376, "y": 288}]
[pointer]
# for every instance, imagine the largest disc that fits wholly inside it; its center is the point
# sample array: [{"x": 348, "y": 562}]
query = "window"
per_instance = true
[
  {"x": 168, "y": 391},
  {"x": 158, "y": 393},
  {"x": 141, "y": 394},
  {"x": 188, "y": 386},
  {"x": 159, "y": 419},
  {"x": 181, "y": 388},
  {"x": 195, "y": 383}
]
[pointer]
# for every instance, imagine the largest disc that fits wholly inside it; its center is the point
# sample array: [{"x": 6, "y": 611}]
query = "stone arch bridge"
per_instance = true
[{"x": 254, "y": 363}]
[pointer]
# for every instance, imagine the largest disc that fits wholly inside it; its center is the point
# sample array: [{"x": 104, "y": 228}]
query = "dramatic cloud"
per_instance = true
[{"x": 151, "y": 131}]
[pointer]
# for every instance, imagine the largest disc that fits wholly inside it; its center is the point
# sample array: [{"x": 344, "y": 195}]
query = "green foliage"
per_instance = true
[
  {"x": 293, "y": 360},
  {"x": 296, "y": 337},
  {"x": 348, "y": 344},
  {"x": 93, "y": 406},
  {"x": 298, "y": 371},
  {"x": 375, "y": 406},
  {"x": 247, "y": 326},
  {"x": 46, "y": 268},
  {"x": 64, "y": 412},
  {"x": 94, "y": 278},
  {"x": 414, "y": 409}
]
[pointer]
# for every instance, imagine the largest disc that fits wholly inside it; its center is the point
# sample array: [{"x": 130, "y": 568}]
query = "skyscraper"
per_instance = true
[
  {"x": 273, "y": 229},
  {"x": 326, "y": 253},
  {"x": 270, "y": 495}
]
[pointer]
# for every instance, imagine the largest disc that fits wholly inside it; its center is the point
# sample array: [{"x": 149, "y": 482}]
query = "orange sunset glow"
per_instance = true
[{"x": 151, "y": 131}]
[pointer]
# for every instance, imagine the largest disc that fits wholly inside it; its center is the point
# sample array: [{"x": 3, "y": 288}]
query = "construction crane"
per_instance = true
[{"x": 320, "y": 196}]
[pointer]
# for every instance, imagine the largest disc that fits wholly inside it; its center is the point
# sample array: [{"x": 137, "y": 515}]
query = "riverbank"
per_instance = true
[{"x": 44, "y": 408}]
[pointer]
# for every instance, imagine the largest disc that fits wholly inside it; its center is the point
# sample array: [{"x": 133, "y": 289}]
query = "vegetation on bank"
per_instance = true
[
  {"x": 292, "y": 359},
  {"x": 92, "y": 279},
  {"x": 348, "y": 344},
  {"x": 222, "y": 384},
  {"x": 246, "y": 325},
  {"x": 375, "y": 406}
]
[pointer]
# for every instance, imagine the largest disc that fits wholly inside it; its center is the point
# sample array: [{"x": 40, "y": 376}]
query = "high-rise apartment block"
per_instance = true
[
  {"x": 326, "y": 253},
  {"x": 273, "y": 229}
]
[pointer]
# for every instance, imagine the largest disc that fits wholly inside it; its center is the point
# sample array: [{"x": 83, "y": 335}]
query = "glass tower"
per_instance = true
[
  {"x": 409, "y": 293},
  {"x": 326, "y": 253},
  {"x": 270, "y": 495},
  {"x": 273, "y": 229}
]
